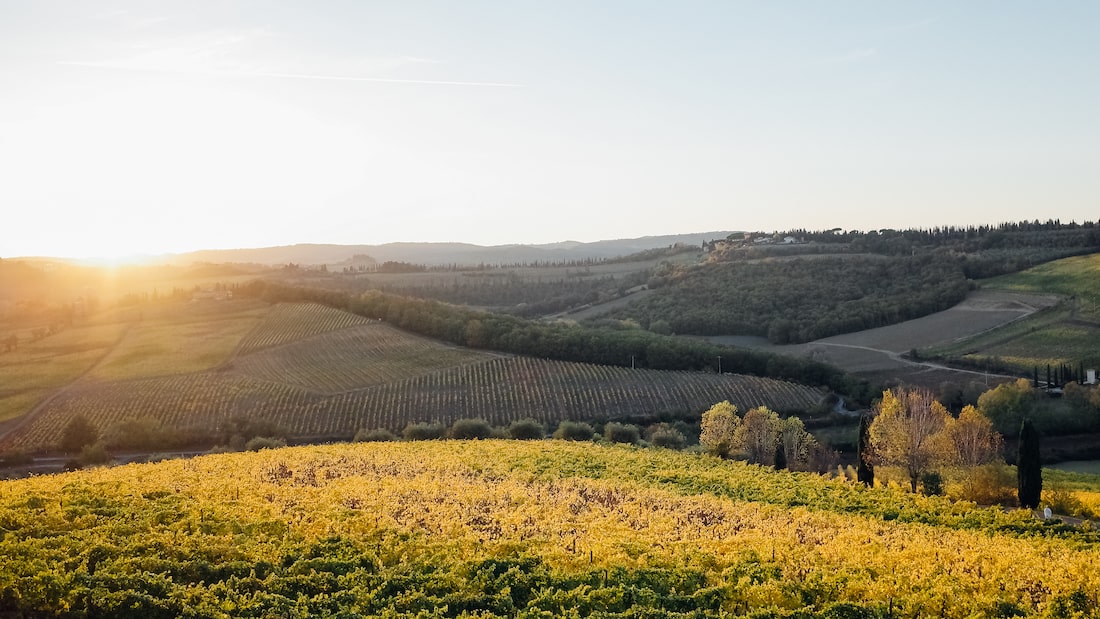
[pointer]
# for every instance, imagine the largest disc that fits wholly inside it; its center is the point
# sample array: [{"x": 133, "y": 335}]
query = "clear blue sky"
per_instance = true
[{"x": 167, "y": 126}]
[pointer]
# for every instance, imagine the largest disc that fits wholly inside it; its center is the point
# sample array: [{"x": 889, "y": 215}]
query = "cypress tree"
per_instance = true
[
  {"x": 865, "y": 471},
  {"x": 1029, "y": 472},
  {"x": 780, "y": 456}
]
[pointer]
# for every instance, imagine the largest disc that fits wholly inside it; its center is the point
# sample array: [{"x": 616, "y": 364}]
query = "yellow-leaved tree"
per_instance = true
[
  {"x": 759, "y": 434},
  {"x": 719, "y": 430},
  {"x": 908, "y": 432}
]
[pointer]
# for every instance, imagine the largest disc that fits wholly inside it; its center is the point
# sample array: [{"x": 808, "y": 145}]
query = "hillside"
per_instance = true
[
  {"x": 491, "y": 528},
  {"x": 188, "y": 375},
  {"x": 446, "y": 253},
  {"x": 1065, "y": 334}
]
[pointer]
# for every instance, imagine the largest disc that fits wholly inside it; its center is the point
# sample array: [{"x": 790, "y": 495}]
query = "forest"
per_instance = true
[{"x": 800, "y": 299}]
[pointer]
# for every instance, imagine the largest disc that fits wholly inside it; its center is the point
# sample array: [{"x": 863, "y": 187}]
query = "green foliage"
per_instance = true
[
  {"x": 801, "y": 299},
  {"x": 526, "y": 430},
  {"x": 621, "y": 433},
  {"x": 1008, "y": 404},
  {"x": 865, "y": 471},
  {"x": 574, "y": 431},
  {"x": 374, "y": 435},
  {"x": 471, "y": 429},
  {"x": 423, "y": 432},
  {"x": 666, "y": 436},
  {"x": 78, "y": 432},
  {"x": 1029, "y": 472},
  {"x": 264, "y": 442}
]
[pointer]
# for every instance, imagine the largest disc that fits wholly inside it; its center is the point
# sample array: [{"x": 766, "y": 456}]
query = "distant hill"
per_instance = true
[{"x": 444, "y": 253}]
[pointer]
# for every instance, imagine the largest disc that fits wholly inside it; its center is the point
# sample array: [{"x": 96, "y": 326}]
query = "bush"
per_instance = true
[
  {"x": 264, "y": 442},
  {"x": 931, "y": 483},
  {"x": 499, "y": 432},
  {"x": 471, "y": 429},
  {"x": 90, "y": 455},
  {"x": 574, "y": 431},
  {"x": 527, "y": 430},
  {"x": 666, "y": 436},
  {"x": 422, "y": 432},
  {"x": 621, "y": 433},
  {"x": 374, "y": 436}
]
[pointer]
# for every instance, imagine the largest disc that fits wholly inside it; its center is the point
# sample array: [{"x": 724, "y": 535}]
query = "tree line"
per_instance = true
[
  {"x": 798, "y": 300},
  {"x": 622, "y": 347}
]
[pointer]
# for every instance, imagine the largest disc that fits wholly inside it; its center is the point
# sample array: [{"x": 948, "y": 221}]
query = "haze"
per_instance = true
[{"x": 153, "y": 127}]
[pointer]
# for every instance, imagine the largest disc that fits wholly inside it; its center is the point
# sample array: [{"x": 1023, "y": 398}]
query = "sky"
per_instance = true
[{"x": 152, "y": 127}]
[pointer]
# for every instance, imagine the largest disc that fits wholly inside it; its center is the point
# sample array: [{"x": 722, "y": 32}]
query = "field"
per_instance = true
[
  {"x": 878, "y": 353},
  {"x": 36, "y": 369},
  {"x": 491, "y": 528},
  {"x": 1066, "y": 334},
  {"x": 317, "y": 372}
]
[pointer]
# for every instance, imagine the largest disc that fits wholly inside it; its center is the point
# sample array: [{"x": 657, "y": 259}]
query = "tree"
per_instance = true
[
  {"x": 865, "y": 471},
  {"x": 78, "y": 433},
  {"x": 908, "y": 432},
  {"x": 759, "y": 434},
  {"x": 1029, "y": 472},
  {"x": 973, "y": 437},
  {"x": 1007, "y": 404},
  {"x": 720, "y": 434},
  {"x": 794, "y": 444}
]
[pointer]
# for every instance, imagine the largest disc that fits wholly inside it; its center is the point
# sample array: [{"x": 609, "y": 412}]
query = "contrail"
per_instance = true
[{"x": 293, "y": 76}]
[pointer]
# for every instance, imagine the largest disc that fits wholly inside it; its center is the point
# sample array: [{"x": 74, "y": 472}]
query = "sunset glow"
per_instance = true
[{"x": 132, "y": 128}]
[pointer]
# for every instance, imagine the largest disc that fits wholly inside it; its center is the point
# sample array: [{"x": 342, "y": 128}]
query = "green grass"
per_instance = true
[
  {"x": 1068, "y": 333},
  {"x": 1076, "y": 277},
  {"x": 180, "y": 342}
]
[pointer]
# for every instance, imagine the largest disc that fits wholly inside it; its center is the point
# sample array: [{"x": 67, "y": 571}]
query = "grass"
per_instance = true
[
  {"x": 1075, "y": 278},
  {"x": 180, "y": 342},
  {"x": 37, "y": 368},
  {"x": 1068, "y": 333}
]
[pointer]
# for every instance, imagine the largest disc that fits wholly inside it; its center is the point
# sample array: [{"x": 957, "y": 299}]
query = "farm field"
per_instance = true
[
  {"x": 877, "y": 352},
  {"x": 1066, "y": 334},
  {"x": 495, "y": 528},
  {"x": 179, "y": 339},
  {"x": 33, "y": 371},
  {"x": 317, "y": 372}
]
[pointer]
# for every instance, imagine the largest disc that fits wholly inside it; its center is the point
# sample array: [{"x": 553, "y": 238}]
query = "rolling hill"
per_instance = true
[
  {"x": 518, "y": 529},
  {"x": 318, "y": 372}
]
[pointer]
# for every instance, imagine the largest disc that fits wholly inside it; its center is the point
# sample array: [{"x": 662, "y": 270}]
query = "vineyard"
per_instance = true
[
  {"x": 288, "y": 322},
  {"x": 500, "y": 390},
  {"x": 518, "y": 529},
  {"x": 353, "y": 358}
]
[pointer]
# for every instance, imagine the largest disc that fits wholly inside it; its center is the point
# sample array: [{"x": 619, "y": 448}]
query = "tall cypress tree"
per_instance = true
[
  {"x": 865, "y": 471},
  {"x": 1029, "y": 472}
]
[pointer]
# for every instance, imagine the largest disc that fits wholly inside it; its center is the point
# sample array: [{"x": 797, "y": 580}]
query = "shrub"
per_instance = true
[
  {"x": 471, "y": 429},
  {"x": 666, "y": 436},
  {"x": 374, "y": 436},
  {"x": 90, "y": 455},
  {"x": 931, "y": 483},
  {"x": 574, "y": 431},
  {"x": 422, "y": 432},
  {"x": 621, "y": 433},
  {"x": 264, "y": 442},
  {"x": 499, "y": 432},
  {"x": 527, "y": 430}
]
